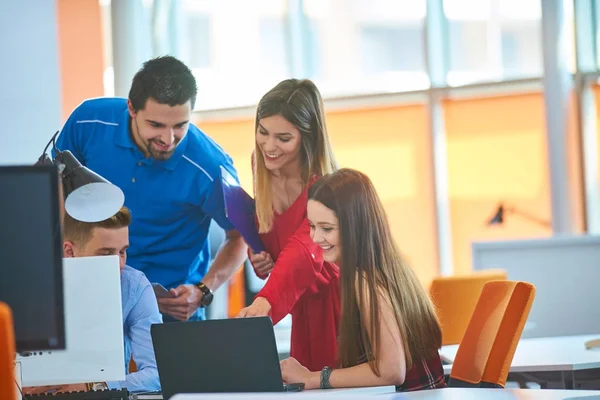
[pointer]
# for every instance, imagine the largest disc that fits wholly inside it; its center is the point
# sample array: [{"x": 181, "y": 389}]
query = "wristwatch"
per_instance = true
[
  {"x": 207, "y": 294},
  {"x": 324, "y": 381},
  {"x": 95, "y": 386}
]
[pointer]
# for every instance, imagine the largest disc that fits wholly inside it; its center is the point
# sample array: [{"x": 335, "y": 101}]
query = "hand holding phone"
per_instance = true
[{"x": 160, "y": 291}]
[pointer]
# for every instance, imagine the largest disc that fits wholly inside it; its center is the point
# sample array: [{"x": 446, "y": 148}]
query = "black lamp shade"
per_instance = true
[
  {"x": 88, "y": 196},
  {"x": 74, "y": 174},
  {"x": 498, "y": 217}
]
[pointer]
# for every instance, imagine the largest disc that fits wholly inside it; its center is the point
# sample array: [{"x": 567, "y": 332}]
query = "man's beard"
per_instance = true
[
  {"x": 156, "y": 154},
  {"x": 160, "y": 155}
]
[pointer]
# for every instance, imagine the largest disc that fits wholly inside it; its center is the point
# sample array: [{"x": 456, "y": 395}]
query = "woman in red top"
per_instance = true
[
  {"x": 389, "y": 332},
  {"x": 292, "y": 150}
]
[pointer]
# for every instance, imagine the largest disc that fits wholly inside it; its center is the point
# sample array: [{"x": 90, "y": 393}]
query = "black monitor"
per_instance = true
[{"x": 31, "y": 280}]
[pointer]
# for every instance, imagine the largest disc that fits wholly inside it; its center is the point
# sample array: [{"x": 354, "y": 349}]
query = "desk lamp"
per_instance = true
[
  {"x": 500, "y": 215},
  {"x": 88, "y": 196}
]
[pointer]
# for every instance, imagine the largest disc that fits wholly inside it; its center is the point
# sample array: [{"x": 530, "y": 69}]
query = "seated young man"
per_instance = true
[{"x": 140, "y": 308}]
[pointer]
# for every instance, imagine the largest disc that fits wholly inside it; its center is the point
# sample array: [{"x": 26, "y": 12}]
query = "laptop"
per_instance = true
[{"x": 218, "y": 356}]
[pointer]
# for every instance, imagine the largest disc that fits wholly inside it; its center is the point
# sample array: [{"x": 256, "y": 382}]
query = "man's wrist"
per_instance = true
[{"x": 200, "y": 295}]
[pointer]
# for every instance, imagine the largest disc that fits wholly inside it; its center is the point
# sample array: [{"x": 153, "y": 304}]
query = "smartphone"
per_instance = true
[{"x": 160, "y": 291}]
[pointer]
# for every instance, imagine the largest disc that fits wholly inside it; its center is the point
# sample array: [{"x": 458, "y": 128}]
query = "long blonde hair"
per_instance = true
[
  {"x": 300, "y": 103},
  {"x": 370, "y": 265}
]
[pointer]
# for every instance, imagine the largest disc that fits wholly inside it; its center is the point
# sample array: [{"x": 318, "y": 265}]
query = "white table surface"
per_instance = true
[
  {"x": 563, "y": 353},
  {"x": 363, "y": 392},
  {"x": 440, "y": 394}
]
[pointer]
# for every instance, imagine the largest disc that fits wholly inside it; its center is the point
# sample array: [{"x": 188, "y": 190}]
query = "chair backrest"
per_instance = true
[
  {"x": 455, "y": 298},
  {"x": 7, "y": 353},
  {"x": 486, "y": 351}
]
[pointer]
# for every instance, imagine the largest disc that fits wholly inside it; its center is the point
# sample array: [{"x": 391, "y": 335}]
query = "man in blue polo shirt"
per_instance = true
[{"x": 170, "y": 172}]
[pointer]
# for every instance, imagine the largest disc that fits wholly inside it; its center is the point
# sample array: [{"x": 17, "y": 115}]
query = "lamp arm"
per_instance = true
[
  {"x": 530, "y": 217},
  {"x": 52, "y": 141}
]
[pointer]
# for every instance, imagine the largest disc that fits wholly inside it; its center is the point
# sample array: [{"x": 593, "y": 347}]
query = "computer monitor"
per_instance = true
[
  {"x": 93, "y": 325},
  {"x": 31, "y": 280}
]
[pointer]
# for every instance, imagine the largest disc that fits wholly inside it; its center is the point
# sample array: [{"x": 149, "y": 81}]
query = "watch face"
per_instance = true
[{"x": 207, "y": 299}]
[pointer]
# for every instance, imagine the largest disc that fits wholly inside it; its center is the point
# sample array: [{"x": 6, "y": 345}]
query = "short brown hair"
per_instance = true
[{"x": 81, "y": 232}]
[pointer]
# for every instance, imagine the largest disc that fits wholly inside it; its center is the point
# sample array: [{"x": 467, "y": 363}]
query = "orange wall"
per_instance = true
[
  {"x": 80, "y": 47},
  {"x": 394, "y": 155},
  {"x": 496, "y": 153},
  {"x": 391, "y": 146}
]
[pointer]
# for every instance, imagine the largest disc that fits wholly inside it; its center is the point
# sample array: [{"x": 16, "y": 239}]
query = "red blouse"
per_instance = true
[{"x": 302, "y": 284}]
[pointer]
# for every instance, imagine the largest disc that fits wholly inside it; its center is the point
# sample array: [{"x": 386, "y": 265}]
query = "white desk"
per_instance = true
[
  {"x": 555, "y": 354},
  {"x": 362, "y": 392},
  {"x": 439, "y": 394}
]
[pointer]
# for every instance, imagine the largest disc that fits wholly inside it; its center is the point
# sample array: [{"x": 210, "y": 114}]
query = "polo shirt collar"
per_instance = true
[{"x": 123, "y": 139}]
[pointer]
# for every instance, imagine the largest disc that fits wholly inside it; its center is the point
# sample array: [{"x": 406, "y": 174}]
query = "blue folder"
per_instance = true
[{"x": 240, "y": 210}]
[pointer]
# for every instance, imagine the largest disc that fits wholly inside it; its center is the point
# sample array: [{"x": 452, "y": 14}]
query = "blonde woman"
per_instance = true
[{"x": 292, "y": 151}]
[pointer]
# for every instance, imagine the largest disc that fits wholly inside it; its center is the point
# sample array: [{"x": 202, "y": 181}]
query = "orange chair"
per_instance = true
[
  {"x": 486, "y": 351},
  {"x": 455, "y": 298},
  {"x": 132, "y": 366},
  {"x": 7, "y": 353},
  {"x": 236, "y": 294}
]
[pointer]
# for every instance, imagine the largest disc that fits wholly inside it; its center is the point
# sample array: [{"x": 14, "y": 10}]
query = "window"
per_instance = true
[
  {"x": 366, "y": 46},
  {"x": 198, "y": 40},
  {"x": 492, "y": 40},
  {"x": 236, "y": 49}
]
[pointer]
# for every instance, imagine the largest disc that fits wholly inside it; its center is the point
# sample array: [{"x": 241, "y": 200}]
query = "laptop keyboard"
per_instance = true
[{"x": 112, "y": 394}]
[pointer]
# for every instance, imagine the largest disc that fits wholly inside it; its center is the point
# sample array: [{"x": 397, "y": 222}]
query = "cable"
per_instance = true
[
  {"x": 44, "y": 159},
  {"x": 53, "y": 141},
  {"x": 20, "y": 391}
]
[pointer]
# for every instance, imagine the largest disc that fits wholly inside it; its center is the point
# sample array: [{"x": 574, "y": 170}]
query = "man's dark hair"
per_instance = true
[{"x": 164, "y": 79}]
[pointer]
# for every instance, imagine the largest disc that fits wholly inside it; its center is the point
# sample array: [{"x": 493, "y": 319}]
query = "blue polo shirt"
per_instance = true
[{"x": 172, "y": 202}]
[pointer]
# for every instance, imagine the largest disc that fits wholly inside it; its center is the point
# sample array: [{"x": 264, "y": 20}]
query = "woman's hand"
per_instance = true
[
  {"x": 262, "y": 263},
  {"x": 293, "y": 372},
  {"x": 259, "y": 308}
]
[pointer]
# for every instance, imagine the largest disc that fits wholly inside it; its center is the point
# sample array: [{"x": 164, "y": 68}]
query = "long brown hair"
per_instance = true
[
  {"x": 369, "y": 252},
  {"x": 300, "y": 103}
]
